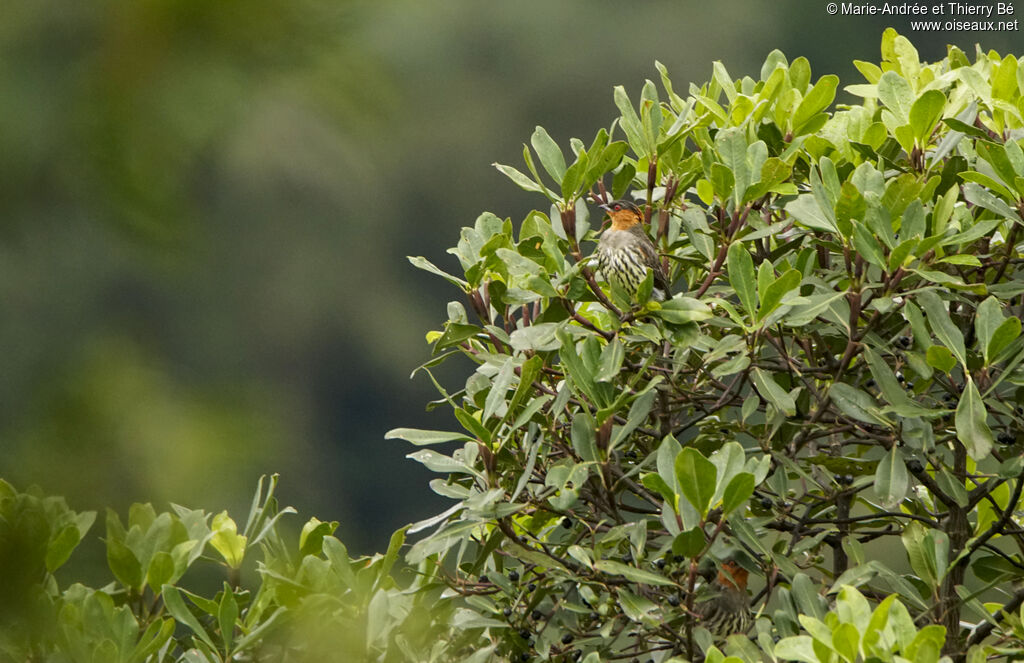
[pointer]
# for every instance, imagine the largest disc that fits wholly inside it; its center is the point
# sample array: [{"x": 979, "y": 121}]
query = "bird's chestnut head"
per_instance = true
[
  {"x": 733, "y": 575},
  {"x": 623, "y": 213}
]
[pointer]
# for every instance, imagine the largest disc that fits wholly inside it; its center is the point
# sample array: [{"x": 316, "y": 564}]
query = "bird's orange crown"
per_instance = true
[
  {"x": 624, "y": 214},
  {"x": 733, "y": 575}
]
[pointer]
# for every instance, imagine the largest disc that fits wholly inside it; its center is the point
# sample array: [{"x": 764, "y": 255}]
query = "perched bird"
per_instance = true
[
  {"x": 727, "y": 609},
  {"x": 625, "y": 252}
]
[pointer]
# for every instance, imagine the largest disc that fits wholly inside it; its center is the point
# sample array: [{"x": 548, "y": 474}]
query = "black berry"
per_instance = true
[
  {"x": 1006, "y": 438},
  {"x": 484, "y": 579},
  {"x": 532, "y": 586},
  {"x": 915, "y": 466},
  {"x": 899, "y": 376},
  {"x": 660, "y": 563},
  {"x": 567, "y": 638},
  {"x": 513, "y": 575},
  {"x": 566, "y": 522},
  {"x": 536, "y": 614},
  {"x": 524, "y": 634},
  {"x": 673, "y": 600},
  {"x": 766, "y": 502},
  {"x": 507, "y": 612},
  {"x": 904, "y": 341}
]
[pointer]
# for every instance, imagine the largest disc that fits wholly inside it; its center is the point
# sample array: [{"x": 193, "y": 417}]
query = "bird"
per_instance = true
[
  {"x": 625, "y": 252},
  {"x": 727, "y": 608}
]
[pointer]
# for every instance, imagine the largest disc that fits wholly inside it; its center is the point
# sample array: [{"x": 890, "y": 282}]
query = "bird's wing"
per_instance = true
[{"x": 652, "y": 260}]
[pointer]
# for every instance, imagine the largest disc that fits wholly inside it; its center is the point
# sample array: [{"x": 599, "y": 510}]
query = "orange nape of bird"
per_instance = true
[
  {"x": 625, "y": 252},
  {"x": 725, "y": 609}
]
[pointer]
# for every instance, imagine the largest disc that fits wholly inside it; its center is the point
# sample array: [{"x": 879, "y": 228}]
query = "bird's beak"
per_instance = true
[{"x": 605, "y": 207}]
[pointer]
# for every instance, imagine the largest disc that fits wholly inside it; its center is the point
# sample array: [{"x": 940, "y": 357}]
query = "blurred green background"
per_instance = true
[{"x": 206, "y": 208}]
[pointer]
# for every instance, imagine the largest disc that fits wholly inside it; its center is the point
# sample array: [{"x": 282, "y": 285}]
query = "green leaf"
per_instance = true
[
  {"x": 797, "y": 648},
  {"x": 774, "y": 293},
  {"x": 891, "y": 479},
  {"x": 60, "y": 548},
  {"x": 524, "y": 182},
  {"x": 124, "y": 564},
  {"x": 421, "y": 437},
  {"x": 972, "y": 422},
  {"x": 422, "y": 263},
  {"x": 867, "y": 246},
  {"x": 227, "y": 615},
  {"x": 631, "y": 573},
  {"x": 773, "y": 393},
  {"x": 987, "y": 318},
  {"x": 942, "y": 326},
  {"x": 638, "y": 412},
  {"x": 741, "y": 276},
  {"x": 497, "y": 396},
  {"x": 176, "y": 606},
  {"x": 850, "y": 205},
  {"x": 739, "y": 490},
  {"x": 690, "y": 542},
  {"x": 697, "y": 478},
  {"x": 550, "y": 154},
  {"x": 161, "y": 570},
  {"x": 940, "y": 358},
  {"x": 655, "y": 483},
  {"x": 816, "y": 100},
  {"x": 611, "y": 361},
  {"x": 630, "y": 123},
  {"x": 807, "y": 211},
  {"x": 1006, "y": 333},
  {"x": 227, "y": 541},
  {"x": 681, "y": 310},
  {"x": 636, "y": 608},
  {"x": 846, "y": 641},
  {"x": 584, "y": 437},
  {"x": 856, "y": 404},
  {"x": 895, "y": 92},
  {"x": 925, "y": 114}
]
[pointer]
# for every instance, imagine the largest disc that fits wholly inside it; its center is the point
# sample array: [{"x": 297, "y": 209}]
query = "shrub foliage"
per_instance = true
[{"x": 832, "y": 394}]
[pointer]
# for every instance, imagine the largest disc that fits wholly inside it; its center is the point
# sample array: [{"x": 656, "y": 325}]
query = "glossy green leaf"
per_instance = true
[
  {"x": 941, "y": 358},
  {"x": 774, "y": 293},
  {"x": 942, "y": 326},
  {"x": 891, "y": 479},
  {"x": 423, "y": 437},
  {"x": 925, "y": 113},
  {"x": 741, "y": 276},
  {"x": 737, "y": 492},
  {"x": 697, "y": 478},
  {"x": 550, "y": 154},
  {"x": 895, "y": 92},
  {"x": 631, "y": 573},
  {"x": 1005, "y": 334},
  {"x": 773, "y": 393},
  {"x": 816, "y": 100},
  {"x": 972, "y": 423}
]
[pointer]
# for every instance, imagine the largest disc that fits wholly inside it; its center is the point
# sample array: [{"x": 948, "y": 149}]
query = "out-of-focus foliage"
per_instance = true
[
  {"x": 838, "y": 373},
  {"x": 287, "y": 597}
]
